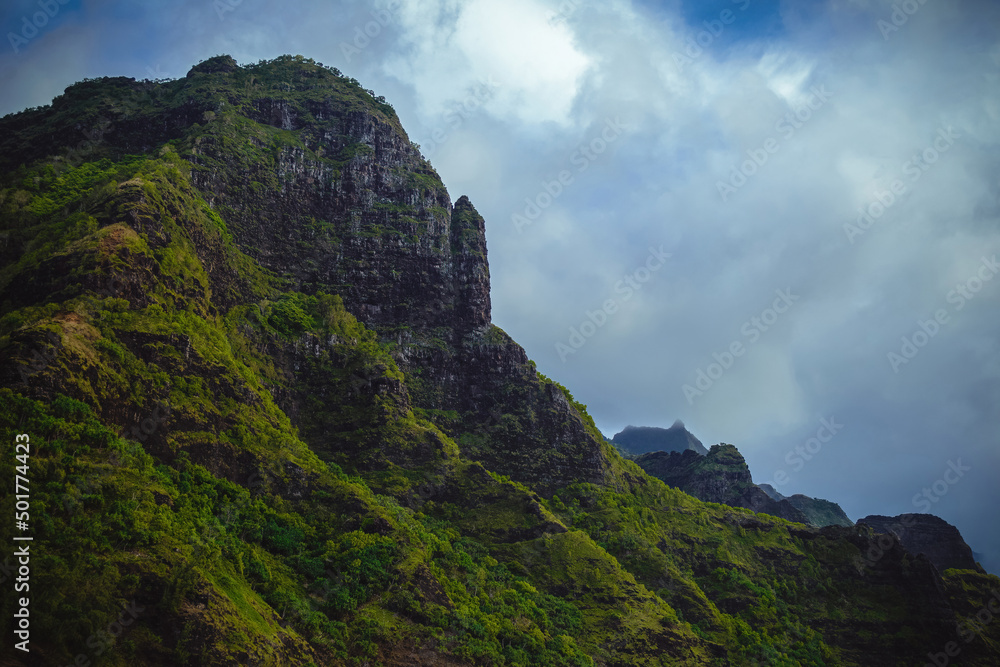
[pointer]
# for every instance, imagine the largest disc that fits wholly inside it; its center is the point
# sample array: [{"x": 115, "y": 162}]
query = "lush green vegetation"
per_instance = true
[
  {"x": 114, "y": 527},
  {"x": 230, "y": 453}
]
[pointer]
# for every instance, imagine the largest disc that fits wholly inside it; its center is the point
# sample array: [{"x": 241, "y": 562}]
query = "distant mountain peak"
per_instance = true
[
  {"x": 722, "y": 476},
  {"x": 771, "y": 491},
  {"x": 223, "y": 63},
  {"x": 644, "y": 439}
]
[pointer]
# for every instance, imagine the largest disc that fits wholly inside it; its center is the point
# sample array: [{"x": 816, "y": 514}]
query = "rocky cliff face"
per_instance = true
[
  {"x": 318, "y": 183},
  {"x": 357, "y": 211},
  {"x": 933, "y": 537},
  {"x": 249, "y": 335}
]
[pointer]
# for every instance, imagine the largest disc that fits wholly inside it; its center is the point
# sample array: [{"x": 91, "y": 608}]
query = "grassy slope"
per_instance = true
[
  {"x": 224, "y": 564},
  {"x": 164, "y": 474}
]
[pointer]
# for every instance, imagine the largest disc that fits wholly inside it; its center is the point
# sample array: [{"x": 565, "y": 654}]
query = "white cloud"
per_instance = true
[
  {"x": 787, "y": 75},
  {"x": 450, "y": 48}
]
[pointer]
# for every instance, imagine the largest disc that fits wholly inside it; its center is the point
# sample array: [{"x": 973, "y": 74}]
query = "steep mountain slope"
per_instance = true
[{"x": 248, "y": 335}]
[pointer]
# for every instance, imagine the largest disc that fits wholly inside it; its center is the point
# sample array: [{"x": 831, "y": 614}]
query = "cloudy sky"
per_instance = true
[{"x": 776, "y": 221}]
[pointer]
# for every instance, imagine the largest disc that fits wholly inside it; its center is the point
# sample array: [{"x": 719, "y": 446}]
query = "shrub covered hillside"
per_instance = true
[{"x": 247, "y": 333}]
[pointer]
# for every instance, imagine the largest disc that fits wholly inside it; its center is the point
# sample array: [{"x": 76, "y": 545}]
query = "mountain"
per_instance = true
[
  {"x": 928, "y": 535},
  {"x": 818, "y": 512},
  {"x": 771, "y": 491},
  {"x": 246, "y": 346},
  {"x": 643, "y": 439},
  {"x": 722, "y": 476}
]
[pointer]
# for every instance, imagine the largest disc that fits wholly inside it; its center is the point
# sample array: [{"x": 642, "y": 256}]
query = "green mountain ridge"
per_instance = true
[
  {"x": 722, "y": 476},
  {"x": 248, "y": 335}
]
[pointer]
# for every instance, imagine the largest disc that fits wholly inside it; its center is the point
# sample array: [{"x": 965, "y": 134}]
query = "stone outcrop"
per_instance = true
[
  {"x": 722, "y": 476},
  {"x": 314, "y": 178},
  {"x": 929, "y": 535}
]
